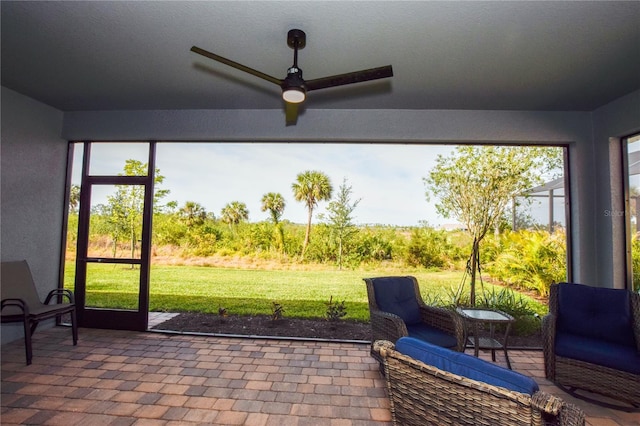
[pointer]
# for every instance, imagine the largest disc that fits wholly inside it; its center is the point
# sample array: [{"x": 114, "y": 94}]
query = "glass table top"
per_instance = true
[{"x": 483, "y": 314}]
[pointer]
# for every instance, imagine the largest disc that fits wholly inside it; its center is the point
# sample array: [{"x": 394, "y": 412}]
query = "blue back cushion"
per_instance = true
[
  {"x": 465, "y": 365},
  {"x": 433, "y": 335},
  {"x": 397, "y": 295},
  {"x": 599, "y": 313}
]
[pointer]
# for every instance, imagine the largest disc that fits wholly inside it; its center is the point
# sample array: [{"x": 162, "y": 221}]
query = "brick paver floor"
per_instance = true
[{"x": 137, "y": 378}]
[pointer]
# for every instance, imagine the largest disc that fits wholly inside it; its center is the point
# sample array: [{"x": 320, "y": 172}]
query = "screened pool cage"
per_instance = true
[{"x": 551, "y": 195}]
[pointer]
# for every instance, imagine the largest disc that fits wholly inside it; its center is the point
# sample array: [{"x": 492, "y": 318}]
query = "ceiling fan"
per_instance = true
[{"x": 294, "y": 87}]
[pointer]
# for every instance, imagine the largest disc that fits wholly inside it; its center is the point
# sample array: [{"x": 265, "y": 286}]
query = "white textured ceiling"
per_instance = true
[{"x": 517, "y": 55}]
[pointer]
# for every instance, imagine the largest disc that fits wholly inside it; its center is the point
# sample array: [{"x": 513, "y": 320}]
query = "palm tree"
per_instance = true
[
  {"x": 274, "y": 202},
  {"x": 234, "y": 213},
  {"x": 311, "y": 187},
  {"x": 74, "y": 198},
  {"x": 193, "y": 214}
]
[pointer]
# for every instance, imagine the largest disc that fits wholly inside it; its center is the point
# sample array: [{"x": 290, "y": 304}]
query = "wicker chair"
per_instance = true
[
  {"x": 396, "y": 310},
  {"x": 591, "y": 340},
  {"x": 423, "y": 394}
]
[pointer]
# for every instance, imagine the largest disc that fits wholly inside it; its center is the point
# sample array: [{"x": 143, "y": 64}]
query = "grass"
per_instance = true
[{"x": 302, "y": 294}]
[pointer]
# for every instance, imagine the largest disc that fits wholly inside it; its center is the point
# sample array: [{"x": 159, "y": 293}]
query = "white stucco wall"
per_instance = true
[
  {"x": 34, "y": 158},
  {"x": 611, "y": 123},
  {"x": 430, "y": 126}
]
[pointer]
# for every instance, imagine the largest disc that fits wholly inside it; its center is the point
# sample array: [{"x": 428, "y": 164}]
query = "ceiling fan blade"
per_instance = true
[
  {"x": 291, "y": 113},
  {"x": 236, "y": 65},
  {"x": 349, "y": 78}
]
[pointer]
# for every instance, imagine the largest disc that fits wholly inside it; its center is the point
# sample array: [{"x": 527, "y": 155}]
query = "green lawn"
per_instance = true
[{"x": 302, "y": 294}]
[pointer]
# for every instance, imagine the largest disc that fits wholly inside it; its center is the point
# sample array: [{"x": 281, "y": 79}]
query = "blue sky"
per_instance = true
[{"x": 387, "y": 178}]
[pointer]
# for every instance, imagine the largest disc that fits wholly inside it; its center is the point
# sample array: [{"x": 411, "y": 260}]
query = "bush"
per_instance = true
[
  {"x": 527, "y": 319},
  {"x": 277, "y": 311},
  {"x": 374, "y": 244},
  {"x": 635, "y": 262},
  {"x": 525, "y": 312},
  {"x": 430, "y": 248},
  {"x": 335, "y": 310},
  {"x": 531, "y": 260},
  {"x": 203, "y": 240}
]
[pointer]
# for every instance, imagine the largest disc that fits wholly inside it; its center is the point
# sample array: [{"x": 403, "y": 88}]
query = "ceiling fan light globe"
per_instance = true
[{"x": 293, "y": 95}]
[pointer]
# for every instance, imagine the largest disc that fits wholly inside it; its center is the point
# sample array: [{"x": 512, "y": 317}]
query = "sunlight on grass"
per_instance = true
[
  {"x": 303, "y": 294},
  {"x": 103, "y": 290}
]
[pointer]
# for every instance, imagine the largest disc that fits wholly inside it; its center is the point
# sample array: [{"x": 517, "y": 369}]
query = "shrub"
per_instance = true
[
  {"x": 335, "y": 310},
  {"x": 526, "y": 314},
  {"x": 374, "y": 244},
  {"x": 530, "y": 259},
  {"x": 505, "y": 300},
  {"x": 526, "y": 317},
  {"x": 222, "y": 313},
  {"x": 429, "y": 248},
  {"x": 449, "y": 300},
  {"x": 635, "y": 260},
  {"x": 277, "y": 311}
]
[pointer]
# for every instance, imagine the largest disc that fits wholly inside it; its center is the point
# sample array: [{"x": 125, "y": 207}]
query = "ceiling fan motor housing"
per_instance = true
[{"x": 293, "y": 87}]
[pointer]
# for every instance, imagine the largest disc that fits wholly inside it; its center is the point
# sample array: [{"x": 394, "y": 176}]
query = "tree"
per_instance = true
[
  {"x": 476, "y": 184},
  {"x": 193, "y": 214},
  {"x": 171, "y": 207},
  {"x": 340, "y": 217},
  {"x": 126, "y": 205},
  {"x": 117, "y": 220},
  {"x": 74, "y": 198},
  {"x": 311, "y": 187},
  {"x": 234, "y": 213},
  {"x": 274, "y": 202}
]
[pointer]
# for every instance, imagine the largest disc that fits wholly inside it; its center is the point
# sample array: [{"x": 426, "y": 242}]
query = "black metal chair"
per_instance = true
[{"x": 21, "y": 303}]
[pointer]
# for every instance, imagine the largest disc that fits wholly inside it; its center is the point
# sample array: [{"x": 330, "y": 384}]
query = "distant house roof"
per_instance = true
[
  {"x": 634, "y": 169},
  {"x": 634, "y": 163},
  {"x": 554, "y": 184}
]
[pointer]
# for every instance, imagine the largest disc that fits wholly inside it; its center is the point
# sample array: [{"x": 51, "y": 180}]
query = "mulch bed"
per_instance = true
[{"x": 263, "y": 325}]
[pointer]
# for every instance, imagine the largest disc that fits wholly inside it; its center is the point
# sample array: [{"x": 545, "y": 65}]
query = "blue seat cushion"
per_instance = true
[
  {"x": 598, "y": 351},
  {"x": 598, "y": 313},
  {"x": 432, "y": 335},
  {"x": 465, "y": 365},
  {"x": 397, "y": 295}
]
